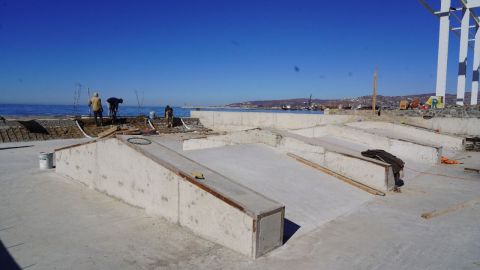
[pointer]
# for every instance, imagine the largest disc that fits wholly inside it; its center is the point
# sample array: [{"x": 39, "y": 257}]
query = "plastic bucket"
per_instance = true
[{"x": 45, "y": 160}]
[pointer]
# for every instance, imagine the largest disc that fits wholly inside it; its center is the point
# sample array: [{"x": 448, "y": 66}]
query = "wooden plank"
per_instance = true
[
  {"x": 448, "y": 210},
  {"x": 338, "y": 176},
  {"x": 108, "y": 132}
]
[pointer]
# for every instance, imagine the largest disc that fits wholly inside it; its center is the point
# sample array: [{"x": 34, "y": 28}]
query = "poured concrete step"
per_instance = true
[{"x": 160, "y": 180}]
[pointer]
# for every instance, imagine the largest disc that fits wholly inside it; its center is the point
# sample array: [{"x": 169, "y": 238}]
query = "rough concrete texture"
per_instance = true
[
  {"x": 158, "y": 179},
  {"x": 50, "y": 222},
  {"x": 235, "y": 137},
  {"x": 229, "y": 121},
  {"x": 412, "y": 134},
  {"x": 342, "y": 160},
  {"x": 399, "y": 146},
  {"x": 311, "y": 197}
]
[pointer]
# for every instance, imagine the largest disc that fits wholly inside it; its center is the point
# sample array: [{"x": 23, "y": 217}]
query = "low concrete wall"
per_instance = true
[
  {"x": 364, "y": 170},
  {"x": 412, "y": 133},
  {"x": 235, "y": 137},
  {"x": 158, "y": 179},
  {"x": 458, "y": 126},
  {"x": 402, "y": 148},
  {"x": 229, "y": 121}
]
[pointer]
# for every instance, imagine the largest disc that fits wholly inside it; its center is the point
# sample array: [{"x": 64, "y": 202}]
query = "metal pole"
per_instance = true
[
  {"x": 476, "y": 67},
  {"x": 444, "y": 31},
  {"x": 374, "y": 96},
  {"x": 462, "y": 58}
]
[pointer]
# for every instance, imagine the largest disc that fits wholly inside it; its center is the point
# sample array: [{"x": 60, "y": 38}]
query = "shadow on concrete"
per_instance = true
[
  {"x": 289, "y": 229},
  {"x": 6, "y": 260},
  {"x": 34, "y": 127},
  {"x": 13, "y": 147}
]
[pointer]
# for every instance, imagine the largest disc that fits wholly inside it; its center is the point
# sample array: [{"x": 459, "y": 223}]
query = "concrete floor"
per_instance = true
[
  {"x": 49, "y": 222},
  {"x": 311, "y": 198}
]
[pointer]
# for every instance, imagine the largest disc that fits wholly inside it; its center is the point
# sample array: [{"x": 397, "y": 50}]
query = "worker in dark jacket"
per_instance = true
[
  {"x": 169, "y": 116},
  {"x": 113, "y": 107}
]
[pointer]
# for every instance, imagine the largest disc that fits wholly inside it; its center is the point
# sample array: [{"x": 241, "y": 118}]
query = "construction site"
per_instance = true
[
  {"x": 346, "y": 189},
  {"x": 243, "y": 190}
]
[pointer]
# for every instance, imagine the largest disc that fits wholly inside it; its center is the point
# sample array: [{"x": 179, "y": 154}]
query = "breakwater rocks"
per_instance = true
[{"x": 35, "y": 130}]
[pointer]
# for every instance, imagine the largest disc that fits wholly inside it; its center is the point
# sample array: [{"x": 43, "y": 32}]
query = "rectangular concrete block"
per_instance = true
[{"x": 159, "y": 180}]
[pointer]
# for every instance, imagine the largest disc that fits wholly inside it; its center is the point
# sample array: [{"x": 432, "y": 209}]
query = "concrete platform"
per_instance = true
[
  {"x": 422, "y": 136},
  {"x": 405, "y": 147},
  {"x": 160, "y": 180},
  {"x": 311, "y": 198},
  {"x": 342, "y": 160},
  {"x": 48, "y": 222}
]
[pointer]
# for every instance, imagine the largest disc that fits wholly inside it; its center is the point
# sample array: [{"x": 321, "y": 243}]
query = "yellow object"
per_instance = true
[
  {"x": 198, "y": 175},
  {"x": 440, "y": 103},
  {"x": 96, "y": 103},
  {"x": 403, "y": 104}
]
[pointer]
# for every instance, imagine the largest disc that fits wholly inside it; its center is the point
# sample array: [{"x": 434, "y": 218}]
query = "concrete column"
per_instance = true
[
  {"x": 476, "y": 67},
  {"x": 462, "y": 57},
  {"x": 443, "y": 48}
]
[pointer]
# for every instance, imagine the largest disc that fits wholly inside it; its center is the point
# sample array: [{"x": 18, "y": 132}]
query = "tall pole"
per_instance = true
[
  {"x": 374, "y": 96},
  {"x": 476, "y": 67},
  {"x": 444, "y": 32},
  {"x": 462, "y": 57}
]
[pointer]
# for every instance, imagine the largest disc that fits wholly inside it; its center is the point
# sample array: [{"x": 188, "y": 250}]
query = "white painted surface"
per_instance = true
[
  {"x": 444, "y": 32},
  {"x": 462, "y": 57}
]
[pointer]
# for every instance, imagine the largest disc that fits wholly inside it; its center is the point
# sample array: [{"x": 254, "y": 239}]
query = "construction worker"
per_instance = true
[
  {"x": 169, "y": 116},
  {"x": 113, "y": 107},
  {"x": 95, "y": 103},
  {"x": 434, "y": 103}
]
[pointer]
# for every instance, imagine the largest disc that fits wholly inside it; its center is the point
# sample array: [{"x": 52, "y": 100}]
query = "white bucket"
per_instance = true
[
  {"x": 152, "y": 115},
  {"x": 46, "y": 160}
]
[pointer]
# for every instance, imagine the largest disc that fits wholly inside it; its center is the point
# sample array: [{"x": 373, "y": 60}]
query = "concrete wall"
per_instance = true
[
  {"x": 402, "y": 148},
  {"x": 412, "y": 133},
  {"x": 458, "y": 126},
  {"x": 235, "y": 137},
  {"x": 116, "y": 168},
  {"x": 229, "y": 121}
]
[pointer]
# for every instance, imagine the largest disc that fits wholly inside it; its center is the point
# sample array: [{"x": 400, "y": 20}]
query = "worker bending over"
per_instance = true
[{"x": 113, "y": 107}]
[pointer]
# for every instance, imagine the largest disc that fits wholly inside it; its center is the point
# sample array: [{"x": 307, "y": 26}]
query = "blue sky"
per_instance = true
[{"x": 203, "y": 52}]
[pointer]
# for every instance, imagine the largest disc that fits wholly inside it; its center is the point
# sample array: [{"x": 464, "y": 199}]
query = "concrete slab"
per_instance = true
[
  {"x": 410, "y": 133},
  {"x": 48, "y": 222},
  {"x": 310, "y": 197},
  {"x": 341, "y": 160},
  {"x": 405, "y": 148},
  {"x": 160, "y": 180}
]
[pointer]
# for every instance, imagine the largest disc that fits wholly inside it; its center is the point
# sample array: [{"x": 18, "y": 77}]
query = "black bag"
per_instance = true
[{"x": 397, "y": 164}]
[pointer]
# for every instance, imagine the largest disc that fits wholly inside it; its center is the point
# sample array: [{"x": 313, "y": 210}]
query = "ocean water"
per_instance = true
[{"x": 70, "y": 110}]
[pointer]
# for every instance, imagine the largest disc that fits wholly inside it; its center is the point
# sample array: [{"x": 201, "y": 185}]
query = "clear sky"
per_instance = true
[{"x": 204, "y": 52}]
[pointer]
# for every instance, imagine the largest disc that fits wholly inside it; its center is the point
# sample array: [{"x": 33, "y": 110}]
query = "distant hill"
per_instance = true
[{"x": 384, "y": 101}]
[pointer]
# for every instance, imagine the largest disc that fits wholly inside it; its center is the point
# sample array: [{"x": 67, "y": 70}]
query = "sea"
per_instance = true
[{"x": 71, "y": 110}]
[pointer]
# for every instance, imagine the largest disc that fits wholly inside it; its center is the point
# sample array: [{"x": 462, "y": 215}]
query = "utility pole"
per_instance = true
[{"x": 374, "y": 96}]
